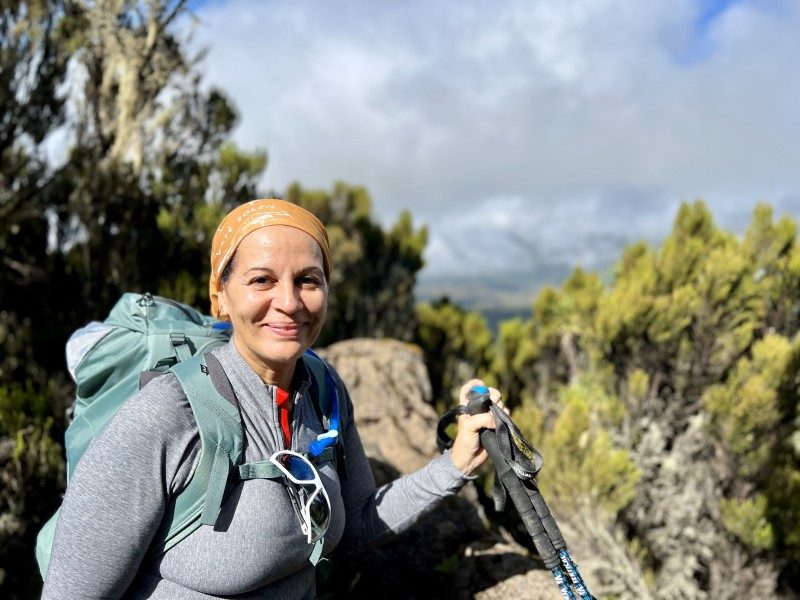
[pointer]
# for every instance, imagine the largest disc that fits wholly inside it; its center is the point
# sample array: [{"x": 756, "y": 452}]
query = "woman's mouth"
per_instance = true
[{"x": 284, "y": 329}]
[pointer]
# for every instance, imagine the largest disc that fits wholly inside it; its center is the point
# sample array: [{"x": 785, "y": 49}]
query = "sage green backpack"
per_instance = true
[{"x": 143, "y": 337}]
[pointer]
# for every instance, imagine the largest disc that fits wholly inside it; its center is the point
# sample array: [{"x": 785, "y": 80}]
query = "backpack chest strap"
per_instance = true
[{"x": 265, "y": 469}]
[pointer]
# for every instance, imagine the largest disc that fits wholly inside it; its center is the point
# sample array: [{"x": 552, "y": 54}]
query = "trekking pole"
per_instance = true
[
  {"x": 557, "y": 539},
  {"x": 532, "y": 509}
]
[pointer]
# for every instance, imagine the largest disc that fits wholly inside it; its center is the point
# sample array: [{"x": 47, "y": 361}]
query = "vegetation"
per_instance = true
[
  {"x": 664, "y": 401},
  {"x": 457, "y": 346},
  {"x": 681, "y": 376}
]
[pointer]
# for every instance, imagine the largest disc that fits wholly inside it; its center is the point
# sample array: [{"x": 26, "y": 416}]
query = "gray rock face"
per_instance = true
[
  {"x": 503, "y": 571},
  {"x": 391, "y": 393}
]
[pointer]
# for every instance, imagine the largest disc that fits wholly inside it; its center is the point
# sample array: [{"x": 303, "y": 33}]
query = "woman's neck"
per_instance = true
[{"x": 280, "y": 375}]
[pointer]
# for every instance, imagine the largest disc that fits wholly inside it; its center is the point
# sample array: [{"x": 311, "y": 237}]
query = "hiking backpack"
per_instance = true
[{"x": 143, "y": 337}]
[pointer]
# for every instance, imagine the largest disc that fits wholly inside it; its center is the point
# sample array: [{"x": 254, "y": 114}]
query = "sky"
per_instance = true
[{"x": 529, "y": 136}]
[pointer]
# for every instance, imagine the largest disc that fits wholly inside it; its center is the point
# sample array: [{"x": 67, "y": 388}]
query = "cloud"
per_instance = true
[{"x": 559, "y": 130}]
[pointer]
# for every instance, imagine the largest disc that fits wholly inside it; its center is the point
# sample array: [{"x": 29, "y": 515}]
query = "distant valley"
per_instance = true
[{"x": 498, "y": 296}]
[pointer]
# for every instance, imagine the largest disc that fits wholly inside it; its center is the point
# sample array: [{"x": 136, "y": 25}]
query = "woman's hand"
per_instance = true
[{"x": 467, "y": 452}]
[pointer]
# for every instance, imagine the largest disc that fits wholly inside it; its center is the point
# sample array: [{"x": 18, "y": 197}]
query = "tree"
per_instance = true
[
  {"x": 685, "y": 364},
  {"x": 457, "y": 346},
  {"x": 146, "y": 174},
  {"x": 33, "y": 59}
]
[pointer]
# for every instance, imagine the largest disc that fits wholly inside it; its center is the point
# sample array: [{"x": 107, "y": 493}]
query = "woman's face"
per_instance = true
[{"x": 276, "y": 298}]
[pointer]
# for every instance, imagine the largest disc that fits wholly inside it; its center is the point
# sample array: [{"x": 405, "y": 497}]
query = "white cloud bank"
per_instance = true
[{"x": 524, "y": 134}]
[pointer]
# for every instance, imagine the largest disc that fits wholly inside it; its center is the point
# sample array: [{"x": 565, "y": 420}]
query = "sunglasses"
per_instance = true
[{"x": 315, "y": 506}]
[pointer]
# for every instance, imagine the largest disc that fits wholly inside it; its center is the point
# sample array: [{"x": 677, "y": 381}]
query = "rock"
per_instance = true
[
  {"x": 504, "y": 570},
  {"x": 391, "y": 392}
]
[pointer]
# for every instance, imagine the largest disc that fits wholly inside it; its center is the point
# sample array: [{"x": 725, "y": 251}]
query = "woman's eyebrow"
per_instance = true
[
  {"x": 259, "y": 269},
  {"x": 303, "y": 271}
]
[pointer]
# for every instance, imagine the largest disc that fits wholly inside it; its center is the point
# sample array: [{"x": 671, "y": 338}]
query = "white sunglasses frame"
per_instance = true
[{"x": 307, "y": 526}]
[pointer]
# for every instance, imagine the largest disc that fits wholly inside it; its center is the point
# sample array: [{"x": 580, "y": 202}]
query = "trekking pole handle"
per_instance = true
[
  {"x": 478, "y": 402},
  {"x": 548, "y": 521}
]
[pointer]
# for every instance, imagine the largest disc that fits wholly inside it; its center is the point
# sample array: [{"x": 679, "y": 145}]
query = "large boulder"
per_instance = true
[{"x": 391, "y": 392}]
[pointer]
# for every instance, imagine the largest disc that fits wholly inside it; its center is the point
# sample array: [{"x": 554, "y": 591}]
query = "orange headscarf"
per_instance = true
[{"x": 251, "y": 216}]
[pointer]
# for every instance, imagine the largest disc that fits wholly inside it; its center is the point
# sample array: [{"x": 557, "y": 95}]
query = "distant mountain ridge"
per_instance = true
[{"x": 498, "y": 296}]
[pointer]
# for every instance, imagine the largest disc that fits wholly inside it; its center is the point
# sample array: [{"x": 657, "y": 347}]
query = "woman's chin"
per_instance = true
[
  {"x": 272, "y": 354},
  {"x": 284, "y": 351}
]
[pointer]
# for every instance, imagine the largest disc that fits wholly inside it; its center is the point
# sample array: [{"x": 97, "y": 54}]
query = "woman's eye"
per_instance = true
[
  {"x": 260, "y": 281},
  {"x": 310, "y": 281}
]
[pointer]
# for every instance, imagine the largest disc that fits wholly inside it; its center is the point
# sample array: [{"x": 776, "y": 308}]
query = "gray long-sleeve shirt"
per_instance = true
[{"x": 122, "y": 485}]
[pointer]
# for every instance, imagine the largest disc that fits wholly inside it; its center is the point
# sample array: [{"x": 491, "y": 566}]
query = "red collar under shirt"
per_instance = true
[{"x": 282, "y": 401}]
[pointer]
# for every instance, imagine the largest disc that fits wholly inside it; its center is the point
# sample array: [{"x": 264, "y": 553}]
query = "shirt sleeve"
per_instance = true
[
  {"x": 117, "y": 495},
  {"x": 370, "y": 512}
]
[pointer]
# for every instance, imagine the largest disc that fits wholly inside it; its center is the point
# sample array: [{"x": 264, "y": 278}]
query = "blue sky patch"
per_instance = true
[{"x": 697, "y": 46}]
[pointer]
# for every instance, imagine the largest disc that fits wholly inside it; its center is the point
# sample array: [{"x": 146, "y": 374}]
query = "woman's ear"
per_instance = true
[{"x": 222, "y": 303}]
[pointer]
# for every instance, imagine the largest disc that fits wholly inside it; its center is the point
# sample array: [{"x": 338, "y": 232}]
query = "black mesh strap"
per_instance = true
[
  {"x": 524, "y": 459},
  {"x": 518, "y": 456}
]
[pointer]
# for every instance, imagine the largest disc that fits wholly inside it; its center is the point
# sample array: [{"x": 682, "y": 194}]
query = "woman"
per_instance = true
[{"x": 270, "y": 267}]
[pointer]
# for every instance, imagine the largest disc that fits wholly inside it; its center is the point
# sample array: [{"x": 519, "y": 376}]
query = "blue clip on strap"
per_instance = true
[{"x": 329, "y": 438}]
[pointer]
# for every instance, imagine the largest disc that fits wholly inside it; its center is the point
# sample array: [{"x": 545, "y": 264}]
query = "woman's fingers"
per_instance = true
[
  {"x": 494, "y": 393},
  {"x": 477, "y": 422},
  {"x": 467, "y": 453},
  {"x": 463, "y": 393},
  {"x": 497, "y": 399}
]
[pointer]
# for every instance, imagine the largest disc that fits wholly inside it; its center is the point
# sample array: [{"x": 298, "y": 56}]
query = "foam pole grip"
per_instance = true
[
  {"x": 522, "y": 501},
  {"x": 550, "y": 525}
]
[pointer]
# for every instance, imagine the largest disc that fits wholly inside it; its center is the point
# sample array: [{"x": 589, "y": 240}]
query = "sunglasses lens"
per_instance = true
[
  {"x": 299, "y": 468},
  {"x": 320, "y": 512}
]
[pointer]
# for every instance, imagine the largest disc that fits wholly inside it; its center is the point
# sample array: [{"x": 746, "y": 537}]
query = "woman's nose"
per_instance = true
[{"x": 288, "y": 296}]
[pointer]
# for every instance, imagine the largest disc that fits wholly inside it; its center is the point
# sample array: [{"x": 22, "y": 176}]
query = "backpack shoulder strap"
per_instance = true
[
  {"x": 325, "y": 393},
  {"x": 216, "y": 411},
  {"x": 319, "y": 386}
]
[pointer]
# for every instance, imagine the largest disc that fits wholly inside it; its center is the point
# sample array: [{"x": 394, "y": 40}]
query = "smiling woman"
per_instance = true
[
  {"x": 275, "y": 294},
  {"x": 270, "y": 267}
]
